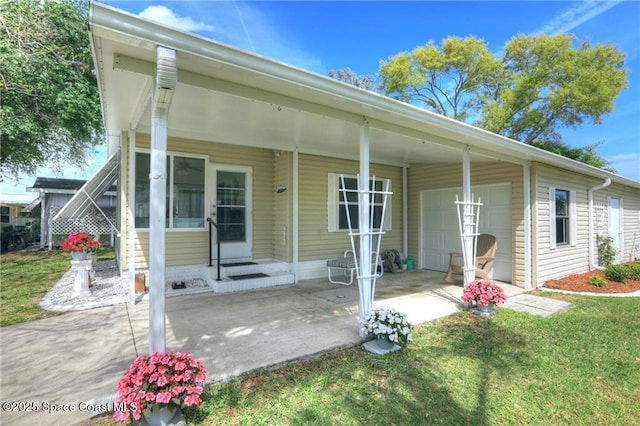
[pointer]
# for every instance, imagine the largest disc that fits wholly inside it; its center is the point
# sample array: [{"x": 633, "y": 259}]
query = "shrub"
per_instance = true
[
  {"x": 619, "y": 273},
  {"x": 606, "y": 251},
  {"x": 633, "y": 271},
  {"x": 615, "y": 273},
  {"x": 597, "y": 281}
]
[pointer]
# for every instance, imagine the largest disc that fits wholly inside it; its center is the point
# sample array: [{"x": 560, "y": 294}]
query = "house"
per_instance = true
[
  {"x": 202, "y": 130},
  {"x": 11, "y": 205},
  {"x": 55, "y": 193}
]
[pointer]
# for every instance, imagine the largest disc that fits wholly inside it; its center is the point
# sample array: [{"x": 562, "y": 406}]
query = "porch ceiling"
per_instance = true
[
  {"x": 231, "y": 96},
  {"x": 220, "y": 100}
]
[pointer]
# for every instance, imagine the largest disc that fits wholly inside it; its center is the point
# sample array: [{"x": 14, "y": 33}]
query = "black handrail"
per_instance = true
[{"x": 211, "y": 222}]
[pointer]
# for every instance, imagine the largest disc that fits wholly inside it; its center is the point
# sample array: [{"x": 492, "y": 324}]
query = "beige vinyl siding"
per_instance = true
[
  {"x": 315, "y": 241},
  {"x": 444, "y": 176},
  {"x": 630, "y": 199},
  {"x": 187, "y": 248},
  {"x": 566, "y": 260},
  {"x": 630, "y": 220},
  {"x": 282, "y": 206}
]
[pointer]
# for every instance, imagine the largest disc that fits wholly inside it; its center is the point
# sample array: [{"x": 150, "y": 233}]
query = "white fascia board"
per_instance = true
[{"x": 112, "y": 22}]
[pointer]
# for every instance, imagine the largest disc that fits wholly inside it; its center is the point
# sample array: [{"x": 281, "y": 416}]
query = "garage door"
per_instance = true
[{"x": 441, "y": 234}]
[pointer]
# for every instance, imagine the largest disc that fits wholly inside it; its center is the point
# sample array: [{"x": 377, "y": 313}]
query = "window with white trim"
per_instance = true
[
  {"x": 185, "y": 203},
  {"x": 562, "y": 217},
  {"x": 337, "y": 215}
]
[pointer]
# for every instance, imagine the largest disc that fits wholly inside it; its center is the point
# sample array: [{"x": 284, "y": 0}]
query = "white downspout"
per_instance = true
[
  {"x": 592, "y": 264},
  {"x": 165, "y": 83}
]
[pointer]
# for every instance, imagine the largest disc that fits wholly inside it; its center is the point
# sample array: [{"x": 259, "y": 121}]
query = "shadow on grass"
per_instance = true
[
  {"x": 445, "y": 378},
  {"x": 491, "y": 349}
]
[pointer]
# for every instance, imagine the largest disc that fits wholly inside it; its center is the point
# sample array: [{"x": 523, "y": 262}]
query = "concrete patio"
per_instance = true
[{"x": 61, "y": 362}]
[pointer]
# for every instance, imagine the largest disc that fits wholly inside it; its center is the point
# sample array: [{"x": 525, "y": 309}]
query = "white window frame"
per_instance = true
[
  {"x": 571, "y": 222},
  {"x": 335, "y": 202},
  {"x": 171, "y": 155}
]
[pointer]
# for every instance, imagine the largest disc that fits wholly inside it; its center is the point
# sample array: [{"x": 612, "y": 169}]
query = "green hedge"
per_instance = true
[{"x": 619, "y": 273}]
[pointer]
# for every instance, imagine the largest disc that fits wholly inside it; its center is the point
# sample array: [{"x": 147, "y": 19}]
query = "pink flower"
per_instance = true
[
  {"x": 161, "y": 378},
  {"x": 186, "y": 375},
  {"x": 121, "y": 416},
  {"x": 191, "y": 400},
  {"x": 163, "y": 397},
  {"x": 483, "y": 292}
]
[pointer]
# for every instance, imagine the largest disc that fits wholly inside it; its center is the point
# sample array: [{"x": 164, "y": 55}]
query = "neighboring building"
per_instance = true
[
  {"x": 11, "y": 205},
  {"x": 259, "y": 146},
  {"x": 55, "y": 193}
]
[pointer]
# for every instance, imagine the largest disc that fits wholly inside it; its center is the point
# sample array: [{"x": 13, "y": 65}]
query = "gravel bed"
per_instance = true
[{"x": 106, "y": 289}]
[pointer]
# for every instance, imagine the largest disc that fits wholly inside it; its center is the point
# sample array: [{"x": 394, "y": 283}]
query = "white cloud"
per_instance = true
[
  {"x": 166, "y": 16},
  {"x": 576, "y": 16},
  {"x": 627, "y": 165}
]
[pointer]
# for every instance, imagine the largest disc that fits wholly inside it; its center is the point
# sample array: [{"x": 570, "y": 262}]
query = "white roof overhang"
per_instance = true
[
  {"x": 231, "y": 96},
  {"x": 82, "y": 203}
]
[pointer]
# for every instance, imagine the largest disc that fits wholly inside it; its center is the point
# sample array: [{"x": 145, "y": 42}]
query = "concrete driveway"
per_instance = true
[{"x": 50, "y": 368}]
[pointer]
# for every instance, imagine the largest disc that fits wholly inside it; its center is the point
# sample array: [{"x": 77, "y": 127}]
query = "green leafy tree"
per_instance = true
[
  {"x": 446, "y": 81},
  {"x": 537, "y": 86},
  {"x": 49, "y": 101}
]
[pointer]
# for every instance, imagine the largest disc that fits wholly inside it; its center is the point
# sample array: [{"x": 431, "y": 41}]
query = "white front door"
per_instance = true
[
  {"x": 615, "y": 228},
  {"x": 232, "y": 211}
]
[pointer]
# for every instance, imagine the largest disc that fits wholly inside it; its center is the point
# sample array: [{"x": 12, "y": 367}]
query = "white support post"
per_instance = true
[
  {"x": 166, "y": 79},
  {"x": 526, "y": 169},
  {"x": 364, "y": 278},
  {"x": 131, "y": 219},
  {"x": 157, "y": 199},
  {"x": 468, "y": 242},
  {"x": 295, "y": 232}
]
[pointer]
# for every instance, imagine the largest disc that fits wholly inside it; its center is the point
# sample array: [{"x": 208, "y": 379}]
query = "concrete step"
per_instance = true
[{"x": 260, "y": 274}]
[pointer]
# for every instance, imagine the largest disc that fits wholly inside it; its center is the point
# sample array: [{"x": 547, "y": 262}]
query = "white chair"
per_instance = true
[{"x": 346, "y": 265}]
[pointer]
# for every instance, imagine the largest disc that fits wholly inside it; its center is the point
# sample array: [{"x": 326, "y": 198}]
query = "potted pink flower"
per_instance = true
[
  {"x": 80, "y": 244},
  {"x": 157, "y": 385},
  {"x": 485, "y": 294}
]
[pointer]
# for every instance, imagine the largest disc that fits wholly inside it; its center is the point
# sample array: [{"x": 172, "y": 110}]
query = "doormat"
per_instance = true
[
  {"x": 228, "y": 265},
  {"x": 247, "y": 276}
]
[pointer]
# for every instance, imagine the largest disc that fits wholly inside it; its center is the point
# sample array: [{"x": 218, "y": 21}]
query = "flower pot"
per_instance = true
[
  {"x": 79, "y": 255},
  {"x": 384, "y": 343},
  {"x": 485, "y": 310},
  {"x": 159, "y": 415}
]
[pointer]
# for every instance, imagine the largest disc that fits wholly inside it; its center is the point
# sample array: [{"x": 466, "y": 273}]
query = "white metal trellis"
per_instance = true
[
  {"x": 95, "y": 223},
  {"x": 468, "y": 221},
  {"x": 366, "y": 273}
]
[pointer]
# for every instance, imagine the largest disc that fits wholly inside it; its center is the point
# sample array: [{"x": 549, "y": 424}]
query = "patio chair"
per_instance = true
[
  {"x": 347, "y": 266},
  {"x": 485, "y": 256}
]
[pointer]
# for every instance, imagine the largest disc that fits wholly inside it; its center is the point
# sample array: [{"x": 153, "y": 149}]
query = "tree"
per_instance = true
[
  {"x": 539, "y": 85},
  {"x": 49, "y": 101},
  {"x": 347, "y": 76},
  {"x": 444, "y": 81}
]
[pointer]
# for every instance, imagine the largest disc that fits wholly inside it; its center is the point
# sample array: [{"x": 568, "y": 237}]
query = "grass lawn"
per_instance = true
[
  {"x": 26, "y": 277},
  {"x": 579, "y": 367}
]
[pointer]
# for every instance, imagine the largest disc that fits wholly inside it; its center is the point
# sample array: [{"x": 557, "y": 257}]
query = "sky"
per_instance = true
[{"x": 331, "y": 35}]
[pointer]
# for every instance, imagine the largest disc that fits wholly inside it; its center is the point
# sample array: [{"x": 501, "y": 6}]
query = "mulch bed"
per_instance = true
[{"x": 580, "y": 283}]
